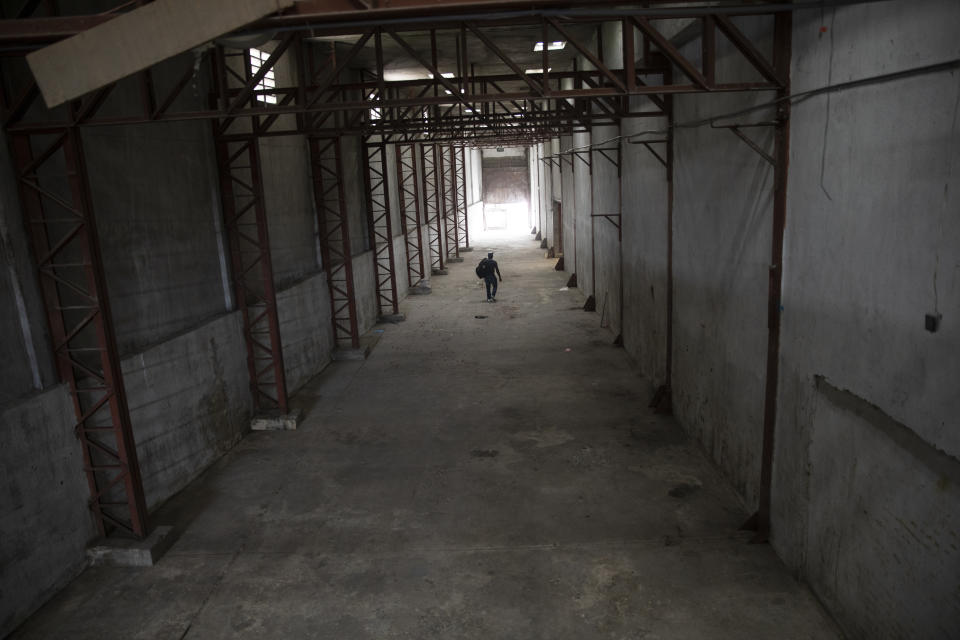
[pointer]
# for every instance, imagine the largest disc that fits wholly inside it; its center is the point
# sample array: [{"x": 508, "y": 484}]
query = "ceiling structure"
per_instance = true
[{"x": 442, "y": 70}]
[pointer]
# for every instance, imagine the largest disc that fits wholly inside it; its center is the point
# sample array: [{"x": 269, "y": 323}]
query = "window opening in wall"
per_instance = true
[
  {"x": 257, "y": 59},
  {"x": 552, "y": 46},
  {"x": 375, "y": 113}
]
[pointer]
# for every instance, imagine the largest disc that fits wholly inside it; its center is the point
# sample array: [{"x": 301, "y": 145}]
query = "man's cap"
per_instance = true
[{"x": 490, "y": 255}]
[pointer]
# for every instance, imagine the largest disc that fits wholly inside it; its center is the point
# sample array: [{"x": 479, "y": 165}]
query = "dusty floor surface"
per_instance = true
[{"x": 476, "y": 477}]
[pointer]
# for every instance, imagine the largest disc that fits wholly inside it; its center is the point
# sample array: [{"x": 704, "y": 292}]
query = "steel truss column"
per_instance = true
[
  {"x": 327, "y": 171},
  {"x": 381, "y": 226},
  {"x": 409, "y": 198},
  {"x": 244, "y": 213},
  {"x": 448, "y": 189},
  {"x": 432, "y": 196},
  {"x": 59, "y": 213},
  {"x": 460, "y": 176}
]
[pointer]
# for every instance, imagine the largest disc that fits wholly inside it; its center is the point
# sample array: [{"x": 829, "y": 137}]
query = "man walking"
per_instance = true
[{"x": 490, "y": 272}]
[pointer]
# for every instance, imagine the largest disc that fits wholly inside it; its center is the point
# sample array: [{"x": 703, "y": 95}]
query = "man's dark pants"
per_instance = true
[{"x": 491, "y": 282}]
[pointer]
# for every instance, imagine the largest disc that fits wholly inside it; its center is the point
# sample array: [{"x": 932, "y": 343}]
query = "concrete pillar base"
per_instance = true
[
  {"x": 129, "y": 552},
  {"x": 551, "y": 253},
  {"x": 533, "y": 231},
  {"x": 543, "y": 243},
  {"x": 572, "y": 282},
  {"x": 590, "y": 304},
  {"x": 420, "y": 290},
  {"x": 454, "y": 259},
  {"x": 439, "y": 272},
  {"x": 466, "y": 249},
  {"x": 274, "y": 421},
  {"x": 539, "y": 236},
  {"x": 392, "y": 318},
  {"x": 559, "y": 265}
]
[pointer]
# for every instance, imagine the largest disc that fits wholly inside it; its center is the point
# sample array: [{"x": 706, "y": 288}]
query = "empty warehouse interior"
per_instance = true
[{"x": 252, "y": 386}]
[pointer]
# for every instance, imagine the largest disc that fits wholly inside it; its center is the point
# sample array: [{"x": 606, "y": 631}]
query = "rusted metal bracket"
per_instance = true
[
  {"x": 736, "y": 130},
  {"x": 612, "y": 218}
]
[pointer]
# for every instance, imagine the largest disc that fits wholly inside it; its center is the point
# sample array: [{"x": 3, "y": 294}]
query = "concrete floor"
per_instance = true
[{"x": 476, "y": 477}]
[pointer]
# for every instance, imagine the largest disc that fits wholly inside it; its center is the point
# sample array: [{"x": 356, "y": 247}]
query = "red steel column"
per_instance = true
[
  {"x": 332, "y": 219},
  {"x": 409, "y": 198},
  {"x": 381, "y": 226},
  {"x": 461, "y": 177},
  {"x": 244, "y": 213},
  {"x": 431, "y": 204},
  {"x": 63, "y": 231}
]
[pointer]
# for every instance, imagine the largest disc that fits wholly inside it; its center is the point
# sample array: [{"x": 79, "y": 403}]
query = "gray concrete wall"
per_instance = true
[
  {"x": 26, "y": 359},
  {"x": 44, "y": 521},
  {"x": 288, "y": 193},
  {"x": 866, "y": 469},
  {"x": 722, "y": 233},
  {"x": 365, "y": 282},
  {"x": 400, "y": 264},
  {"x": 545, "y": 199},
  {"x": 354, "y": 164},
  {"x": 155, "y": 197},
  {"x": 157, "y": 205},
  {"x": 645, "y": 250},
  {"x": 866, "y": 473},
  {"x": 537, "y": 187},
  {"x": 189, "y": 401},
  {"x": 291, "y": 216},
  {"x": 583, "y": 232},
  {"x": 569, "y": 202},
  {"x": 553, "y": 149},
  {"x": 606, "y": 241},
  {"x": 474, "y": 174},
  {"x": 305, "y": 329}
]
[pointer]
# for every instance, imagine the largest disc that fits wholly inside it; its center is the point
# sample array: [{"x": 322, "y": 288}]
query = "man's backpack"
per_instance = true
[{"x": 483, "y": 268}]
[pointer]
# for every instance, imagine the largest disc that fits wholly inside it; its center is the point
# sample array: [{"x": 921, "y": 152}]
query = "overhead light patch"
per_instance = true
[{"x": 552, "y": 46}]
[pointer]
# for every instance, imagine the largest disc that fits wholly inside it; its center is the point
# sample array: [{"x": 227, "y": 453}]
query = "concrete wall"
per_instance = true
[
  {"x": 157, "y": 205},
  {"x": 605, "y": 184},
  {"x": 26, "y": 360},
  {"x": 569, "y": 200},
  {"x": 866, "y": 472},
  {"x": 867, "y": 478},
  {"x": 582, "y": 205},
  {"x": 354, "y": 164},
  {"x": 723, "y": 204},
  {"x": 475, "y": 176},
  {"x": 537, "y": 215},
  {"x": 364, "y": 283},
  {"x": 288, "y": 192},
  {"x": 44, "y": 520},
  {"x": 305, "y": 329},
  {"x": 156, "y": 201},
  {"x": 645, "y": 249},
  {"x": 189, "y": 403}
]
